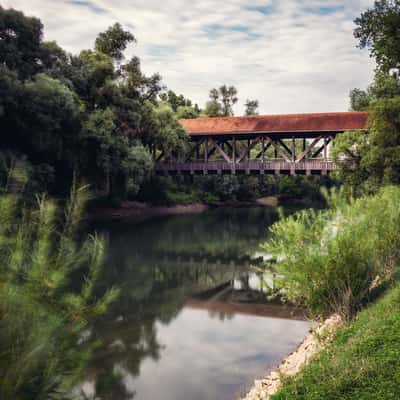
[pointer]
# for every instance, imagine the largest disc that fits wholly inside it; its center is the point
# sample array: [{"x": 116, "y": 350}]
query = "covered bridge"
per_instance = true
[{"x": 293, "y": 143}]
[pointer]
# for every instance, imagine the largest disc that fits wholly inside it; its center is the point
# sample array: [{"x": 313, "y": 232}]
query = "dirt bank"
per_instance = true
[
  {"x": 136, "y": 211},
  {"x": 292, "y": 364}
]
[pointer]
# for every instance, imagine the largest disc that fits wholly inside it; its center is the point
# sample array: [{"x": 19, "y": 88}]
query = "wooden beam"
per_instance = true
[
  {"x": 194, "y": 149},
  {"x": 279, "y": 151},
  {"x": 308, "y": 149},
  {"x": 262, "y": 152},
  {"x": 283, "y": 144},
  {"x": 222, "y": 152},
  {"x": 160, "y": 156},
  {"x": 319, "y": 151},
  {"x": 248, "y": 149}
]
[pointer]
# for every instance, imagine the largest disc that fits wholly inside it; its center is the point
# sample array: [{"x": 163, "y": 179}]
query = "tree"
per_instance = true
[
  {"x": 20, "y": 42},
  {"x": 42, "y": 316},
  {"x": 114, "y": 41},
  {"x": 378, "y": 29},
  {"x": 382, "y": 159},
  {"x": 228, "y": 98},
  {"x": 251, "y": 107},
  {"x": 221, "y": 102},
  {"x": 92, "y": 114},
  {"x": 359, "y": 100}
]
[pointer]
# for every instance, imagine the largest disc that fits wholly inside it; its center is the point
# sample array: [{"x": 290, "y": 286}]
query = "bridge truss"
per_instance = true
[
  {"x": 274, "y": 144},
  {"x": 261, "y": 154}
]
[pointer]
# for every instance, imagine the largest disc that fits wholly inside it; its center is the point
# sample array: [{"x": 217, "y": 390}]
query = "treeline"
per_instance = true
[{"x": 94, "y": 115}]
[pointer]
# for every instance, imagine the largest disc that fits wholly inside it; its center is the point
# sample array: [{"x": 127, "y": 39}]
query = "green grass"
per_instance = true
[{"x": 363, "y": 361}]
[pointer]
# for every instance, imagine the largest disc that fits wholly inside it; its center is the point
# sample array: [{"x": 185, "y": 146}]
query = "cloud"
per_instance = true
[{"x": 291, "y": 55}]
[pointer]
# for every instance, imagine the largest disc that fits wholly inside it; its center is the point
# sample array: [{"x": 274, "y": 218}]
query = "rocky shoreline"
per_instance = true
[{"x": 317, "y": 340}]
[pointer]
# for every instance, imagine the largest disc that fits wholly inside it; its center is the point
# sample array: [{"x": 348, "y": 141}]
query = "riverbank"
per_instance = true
[
  {"x": 138, "y": 211},
  {"x": 320, "y": 336},
  {"x": 360, "y": 362}
]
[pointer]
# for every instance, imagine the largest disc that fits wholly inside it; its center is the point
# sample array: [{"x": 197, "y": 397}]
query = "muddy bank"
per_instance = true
[
  {"x": 136, "y": 211},
  {"x": 317, "y": 340}
]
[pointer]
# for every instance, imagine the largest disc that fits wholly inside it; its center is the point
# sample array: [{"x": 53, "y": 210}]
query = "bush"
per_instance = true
[
  {"x": 329, "y": 260},
  {"x": 43, "y": 313}
]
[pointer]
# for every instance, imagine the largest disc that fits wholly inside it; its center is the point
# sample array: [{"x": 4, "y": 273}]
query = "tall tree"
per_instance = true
[
  {"x": 20, "y": 42},
  {"x": 228, "y": 98},
  {"x": 251, "y": 107},
  {"x": 378, "y": 29},
  {"x": 114, "y": 41},
  {"x": 221, "y": 102}
]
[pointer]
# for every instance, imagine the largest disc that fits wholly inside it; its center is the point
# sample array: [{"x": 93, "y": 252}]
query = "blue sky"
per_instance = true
[{"x": 291, "y": 55}]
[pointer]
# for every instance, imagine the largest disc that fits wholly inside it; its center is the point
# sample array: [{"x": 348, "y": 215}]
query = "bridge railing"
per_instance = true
[{"x": 249, "y": 166}]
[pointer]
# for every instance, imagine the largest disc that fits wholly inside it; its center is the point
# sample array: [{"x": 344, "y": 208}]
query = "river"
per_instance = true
[{"x": 192, "y": 321}]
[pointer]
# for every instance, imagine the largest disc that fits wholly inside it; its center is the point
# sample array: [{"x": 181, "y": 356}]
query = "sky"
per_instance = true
[{"x": 293, "y": 56}]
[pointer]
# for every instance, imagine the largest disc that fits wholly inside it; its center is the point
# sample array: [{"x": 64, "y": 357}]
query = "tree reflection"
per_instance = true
[{"x": 158, "y": 265}]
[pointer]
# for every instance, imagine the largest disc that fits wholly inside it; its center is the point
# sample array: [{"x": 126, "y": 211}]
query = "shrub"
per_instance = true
[
  {"x": 329, "y": 260},
  {"x": 43, "y": 314}
]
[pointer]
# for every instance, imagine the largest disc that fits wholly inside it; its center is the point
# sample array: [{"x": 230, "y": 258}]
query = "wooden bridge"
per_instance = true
[{"x": 274, "y": 144}]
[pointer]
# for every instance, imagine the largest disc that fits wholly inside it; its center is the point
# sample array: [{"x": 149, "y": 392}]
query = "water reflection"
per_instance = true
[{"x": 192, "y": 321}]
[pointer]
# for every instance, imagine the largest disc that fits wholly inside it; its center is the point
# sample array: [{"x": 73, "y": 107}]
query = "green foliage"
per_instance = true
[
  {"x": 362, "y": 362},
  {"x": 251, "y": 107},
  {"x": 91, "y": 113},
  {"x": 176, "y": 101},
  {"x": 378, "y": 29},
  {"x": 42, "y": 315},
  {"x": 382, "y": 158},
  {"x": 370, "y": 160},
  {"x": 20, "y": 42},
  {"x": 221, "y": 102},
  {"x": 328, "y": 260},
  {"x": 114, "y": 41},
  {"x": 359, "y": 100}
]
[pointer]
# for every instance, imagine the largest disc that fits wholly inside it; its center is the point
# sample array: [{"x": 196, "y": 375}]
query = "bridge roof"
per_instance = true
[{"x": 277, "y": 124}]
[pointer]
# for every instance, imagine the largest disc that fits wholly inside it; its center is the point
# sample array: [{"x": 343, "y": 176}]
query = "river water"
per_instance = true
[{"x": 193, "y": 321}]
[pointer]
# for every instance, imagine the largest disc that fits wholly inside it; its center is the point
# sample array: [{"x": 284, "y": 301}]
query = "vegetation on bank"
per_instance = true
[
  {"x": 48, "y": 297},
  {"x": 361, "y": 363},
  {"x": 331, "y": 260},
  {"x": 233, "y": 188}
]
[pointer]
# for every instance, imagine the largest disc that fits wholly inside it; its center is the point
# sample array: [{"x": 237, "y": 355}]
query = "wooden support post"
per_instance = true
[
  {"x": 234, "y": 156},
  {"x": 263, "y": 150},
  {"x": 304, "y": 144},
  {"x": 206, "y": 151},
  {"x": 325, "y": 149},
  {"x": 293, "y": 149}
]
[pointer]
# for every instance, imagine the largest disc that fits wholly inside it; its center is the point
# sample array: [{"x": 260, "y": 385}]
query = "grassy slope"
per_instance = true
[{"x": 362, "y": 363}]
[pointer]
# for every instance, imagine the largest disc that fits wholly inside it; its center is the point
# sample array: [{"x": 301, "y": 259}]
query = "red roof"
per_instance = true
[{"x": 291, "y": 123}]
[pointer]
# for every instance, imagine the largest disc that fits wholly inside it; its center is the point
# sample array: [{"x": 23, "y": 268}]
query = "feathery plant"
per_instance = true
[
  {"x": 44, "y": 314},
  {"x": 331, "y": 260}
]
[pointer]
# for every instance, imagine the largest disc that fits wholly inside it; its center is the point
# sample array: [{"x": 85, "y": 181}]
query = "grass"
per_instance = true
[{"x": 362, "y": 362}]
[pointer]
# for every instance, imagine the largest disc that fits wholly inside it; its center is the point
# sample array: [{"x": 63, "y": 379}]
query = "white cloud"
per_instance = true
[{"x": 291, "y": 55}]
